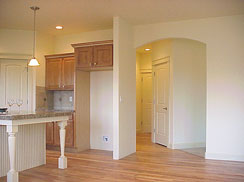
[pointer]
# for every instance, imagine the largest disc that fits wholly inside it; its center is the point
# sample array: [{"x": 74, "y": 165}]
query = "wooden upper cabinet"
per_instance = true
[
  {"x": 68, "y": 73},
  {"x": 53, "y": 73},
  {"x": 94, "y": 55},
  {"x": 84, "y": 56},
  {"x": 103, "y": 55},
  {"x": 60, "y": 71}
]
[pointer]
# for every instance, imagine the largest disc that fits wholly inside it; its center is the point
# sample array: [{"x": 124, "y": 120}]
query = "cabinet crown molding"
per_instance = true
[
  {"x": 59, "y": 55},
  {"x": 86, "y": 44}
]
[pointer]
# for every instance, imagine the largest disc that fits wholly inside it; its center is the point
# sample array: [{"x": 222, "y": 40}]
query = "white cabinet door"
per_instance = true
[{"x": 13, "y": 83}]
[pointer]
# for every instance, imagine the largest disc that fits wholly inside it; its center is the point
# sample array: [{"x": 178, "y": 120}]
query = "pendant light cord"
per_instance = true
[{"x": 34, "y": 42}]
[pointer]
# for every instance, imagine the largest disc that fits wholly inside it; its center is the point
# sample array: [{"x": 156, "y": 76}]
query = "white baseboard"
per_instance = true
[
  {"x": 227, "y": 157},
  {"x": 170, "y": 146},
  {"x": 186, "y": 145}
]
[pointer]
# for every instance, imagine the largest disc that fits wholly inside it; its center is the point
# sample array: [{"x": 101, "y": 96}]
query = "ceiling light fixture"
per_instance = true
[
  {"x": 59, "y": 27},
  {"x": 147, "y": 49},
  {"x": 33, "y": 61}
]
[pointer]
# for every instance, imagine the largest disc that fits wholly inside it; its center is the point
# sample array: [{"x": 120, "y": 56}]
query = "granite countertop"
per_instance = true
[{"x": 32, "y": 115}]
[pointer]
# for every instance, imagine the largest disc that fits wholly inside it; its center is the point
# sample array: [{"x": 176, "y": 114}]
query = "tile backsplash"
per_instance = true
[
  {"x": 63, "y": 100},
  {"x": 44, "y": 99},
  {"x": 57, "y": 100}
]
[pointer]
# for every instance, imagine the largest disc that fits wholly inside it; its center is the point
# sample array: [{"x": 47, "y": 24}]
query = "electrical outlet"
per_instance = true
[
  {"x": 70, "y": 99},
  {"x": 105, "y": 138}
]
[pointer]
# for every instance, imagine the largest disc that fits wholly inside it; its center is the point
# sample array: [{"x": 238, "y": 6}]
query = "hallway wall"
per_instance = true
[{"x": 189, "y": 93}]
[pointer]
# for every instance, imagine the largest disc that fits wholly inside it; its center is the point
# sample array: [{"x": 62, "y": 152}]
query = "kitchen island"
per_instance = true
[{"x": 24, "y": 132}]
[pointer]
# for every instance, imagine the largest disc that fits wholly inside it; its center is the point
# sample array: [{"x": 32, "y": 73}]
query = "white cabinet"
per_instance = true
[{"x": 14, "y": 84}]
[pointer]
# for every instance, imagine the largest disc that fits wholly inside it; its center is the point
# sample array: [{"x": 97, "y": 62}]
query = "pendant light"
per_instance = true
[{"x": 33, "y": 61}]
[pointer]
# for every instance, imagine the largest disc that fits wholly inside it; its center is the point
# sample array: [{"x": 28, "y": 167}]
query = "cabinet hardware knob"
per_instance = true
[
  {"x": 165, "y": 108},
  {"x": 95, "y": 63}
]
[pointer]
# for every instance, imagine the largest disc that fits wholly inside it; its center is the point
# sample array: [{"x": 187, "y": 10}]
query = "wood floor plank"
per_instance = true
[{"x": 151, "y": 163}]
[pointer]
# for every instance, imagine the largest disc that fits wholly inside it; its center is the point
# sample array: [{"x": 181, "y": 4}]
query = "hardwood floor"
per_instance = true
[{"x": 150, "y": 163}]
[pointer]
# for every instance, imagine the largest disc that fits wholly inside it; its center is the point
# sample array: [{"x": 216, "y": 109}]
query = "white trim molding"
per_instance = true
[
  {"x": 146, "y": 71},
  {"x": 187, "y": 145},
  {"x": 170, "y": 146},
  {"x": 161, "y": 60},
  {"x": 15, "y": 56},
  {"x": 227, "y": 157}
]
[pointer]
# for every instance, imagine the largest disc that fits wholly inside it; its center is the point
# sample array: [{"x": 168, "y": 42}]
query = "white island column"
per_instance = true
[
  {"x": 13, "y": 175},
  {"x": 62, "y": 161}
]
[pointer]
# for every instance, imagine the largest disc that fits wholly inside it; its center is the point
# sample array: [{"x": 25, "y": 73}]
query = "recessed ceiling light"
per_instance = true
[
  {"x": 147, "y": 49},
  {"x": 59, "y": 27}
]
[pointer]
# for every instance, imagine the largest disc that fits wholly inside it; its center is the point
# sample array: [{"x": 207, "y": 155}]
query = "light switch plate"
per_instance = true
[{"x": 70, "y": 99}]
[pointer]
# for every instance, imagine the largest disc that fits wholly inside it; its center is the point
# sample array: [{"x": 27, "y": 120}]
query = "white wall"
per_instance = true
[
  {"x": 101, "y": 110},
  {"x": 16, "y": 42},
  {"x": 19, "y": 43},
  {"x": 63, "y": 43},
  {"x": 44, "y": 46},
  {"x": 124, "y": 90},
  {"x": 189, "y": 93},
  {"x": 225, "y": 77}
]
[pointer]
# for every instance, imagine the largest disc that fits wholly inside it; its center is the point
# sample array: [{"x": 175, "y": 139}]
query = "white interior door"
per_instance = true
[
  {"x": 13, "y": 81},
  {"x": 146, "y": 102},
  {"x": 161, "y": 96}
]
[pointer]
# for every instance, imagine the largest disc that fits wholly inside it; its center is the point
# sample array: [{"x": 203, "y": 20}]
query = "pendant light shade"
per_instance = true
[{"x": 33, "y": 61}]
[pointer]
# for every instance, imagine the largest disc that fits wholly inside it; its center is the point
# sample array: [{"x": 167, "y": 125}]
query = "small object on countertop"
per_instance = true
[{"x": 3, "y": 110}]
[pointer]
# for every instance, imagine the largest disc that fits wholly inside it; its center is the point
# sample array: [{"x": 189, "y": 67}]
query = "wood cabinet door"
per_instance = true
[
  {"x": 69, "y": 136},
  {"x": 53, "y": 73},
  {"x": 84, "y": 56},
  {"x": 49, "y": 133},
  {"x": 103, "y": 56},
  {"x": 68, "y": 73}
]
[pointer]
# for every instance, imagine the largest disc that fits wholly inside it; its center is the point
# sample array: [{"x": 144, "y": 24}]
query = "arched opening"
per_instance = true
[{"x": 171, "y": 94}]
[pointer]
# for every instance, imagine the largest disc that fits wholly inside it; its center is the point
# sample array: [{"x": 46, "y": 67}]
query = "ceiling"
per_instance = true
[{"x": 87, "y": 15}]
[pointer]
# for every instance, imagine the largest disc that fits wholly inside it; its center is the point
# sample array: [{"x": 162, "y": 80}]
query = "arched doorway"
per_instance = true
[{"x": 177, "y": 107}]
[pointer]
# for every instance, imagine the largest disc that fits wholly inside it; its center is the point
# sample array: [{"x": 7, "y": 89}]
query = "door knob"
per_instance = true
[{"x": 165, "y": 108}]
